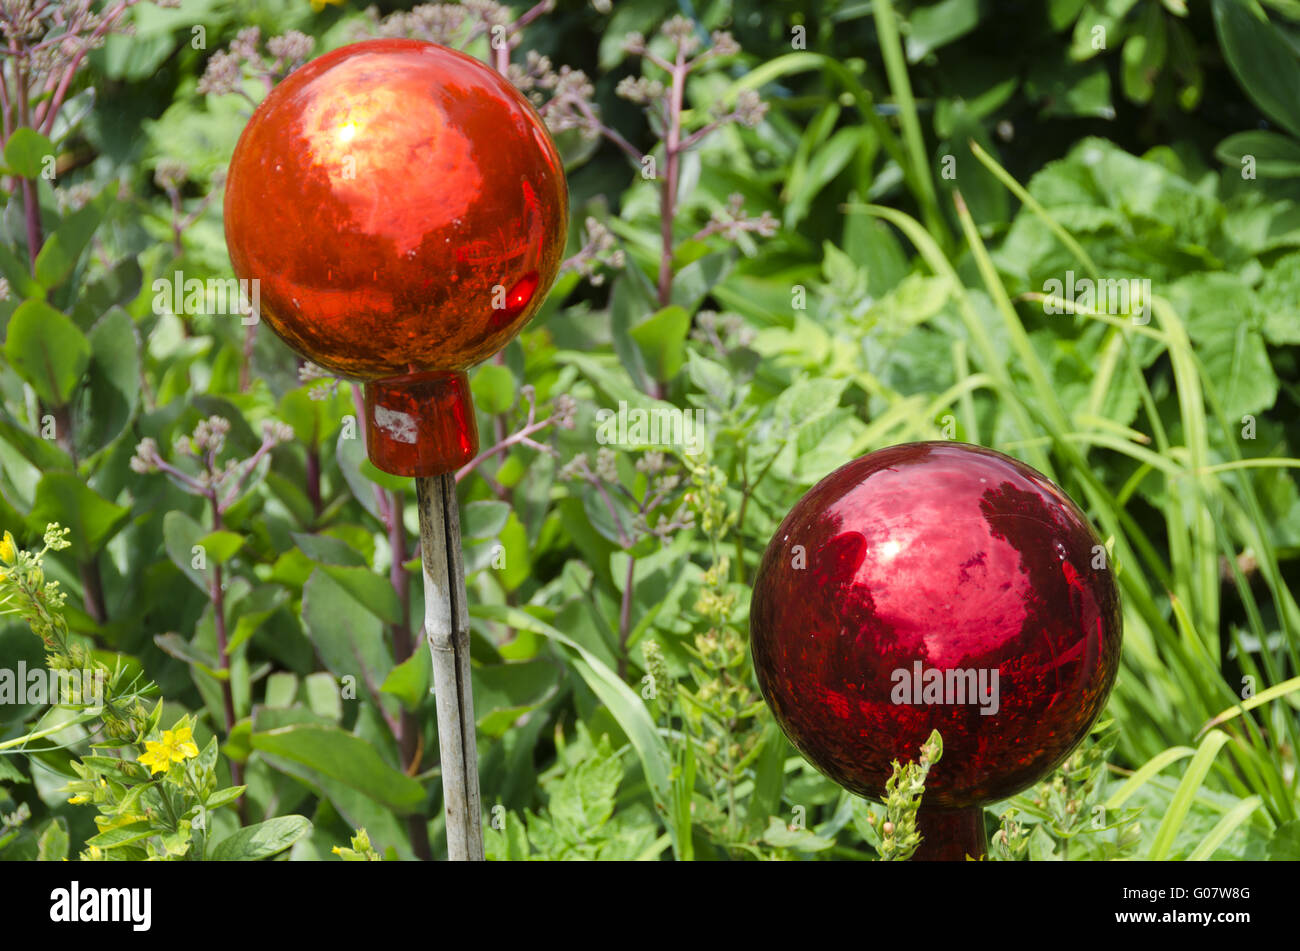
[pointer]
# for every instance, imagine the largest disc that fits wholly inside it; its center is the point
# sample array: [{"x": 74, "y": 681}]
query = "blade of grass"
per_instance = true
[
  {"x": 891, "y": 49},
  {"x": 1143, "y": 775},
  {"x": 1225, "y": 827},
  {"x": 1181, "y": 803}
]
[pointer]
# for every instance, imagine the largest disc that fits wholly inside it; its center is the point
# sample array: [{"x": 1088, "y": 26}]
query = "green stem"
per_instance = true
[{"x": 891, "y": 48}]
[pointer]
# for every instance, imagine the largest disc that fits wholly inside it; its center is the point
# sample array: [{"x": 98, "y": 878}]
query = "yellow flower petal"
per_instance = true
[{"x": 7, "y": 549}]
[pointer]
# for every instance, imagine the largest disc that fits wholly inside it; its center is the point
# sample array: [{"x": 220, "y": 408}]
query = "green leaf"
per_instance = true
[
  {"x": 122, "y": 835},
  {"x": 348, "y": 635},
  {"x": 1285, "y": 844},
  {"x": 662, "y": 340},
  {"x": 14, "y": 270},
  {"x": 1226, "y": 826},
  {"x": 26, "y": 151},
  {"x": 44, "y": 454},
  {"x": 613, "y": 384},
  {"x": 781, "y": 836},
  {"x": 221, "y": 546},
  {"x": 52, "y": 843},
  {"x": 493, "y": 387},
  {"x": 1264, "y": 63},
  {"x": 261, "y": 840},
  {"x": 372, "y": 590},
  {"x": 345, "y": 758},
  {"x": 59, "y": 255},
  {"x": 180, "y": 536},
  {"x": 65, "y": 498},
  {"x": 1274, "y": 155},
  {"x": 251, "y": 611},
  {"x": 939, "y": 24},
  {"x": 693, "y": 282},
  {"x": 625, "y": 706},
  {"x": 223, "y": 797},
  {"x": 483, "y": 519},
  {"x": 505, "y": 692},
  {"x": 1221, "y": 314},
  {"x": 327, "y": 550},
  {"x": 112, "y": 394},
  {"x": 1279, "y": 300},
  {"x": 173, "y": 645},
  {"x": 828, "y": 160},
  {"x": 323, "y": 696},
  {"x": 712, "y": 378},
  {"x": 47, "y": 350},
  {"x": 409, "y": 681}
]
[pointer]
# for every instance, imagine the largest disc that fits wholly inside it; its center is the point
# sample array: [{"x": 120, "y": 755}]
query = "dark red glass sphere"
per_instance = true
[
  {"x": 936, "y": 585},
  {"x": 402, "y": 206}
]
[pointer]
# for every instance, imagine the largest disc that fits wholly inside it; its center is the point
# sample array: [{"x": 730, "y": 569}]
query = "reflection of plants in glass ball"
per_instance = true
[
  {"x": 946, "y": 566},
  {"x": 402, "y": 206}
]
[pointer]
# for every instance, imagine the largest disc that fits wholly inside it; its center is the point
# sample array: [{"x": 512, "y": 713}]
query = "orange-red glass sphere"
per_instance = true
[
  {"x": 402, "y": 206},
  {"x": 404, "y": 212}
]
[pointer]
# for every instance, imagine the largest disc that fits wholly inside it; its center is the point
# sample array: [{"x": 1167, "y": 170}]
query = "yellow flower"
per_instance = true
[
  {"x": 176, "y": 747},
  {"x": 8, "y": 550},
  {"x": 318, "y": 5},
  {"x": 79, "y": 799}
]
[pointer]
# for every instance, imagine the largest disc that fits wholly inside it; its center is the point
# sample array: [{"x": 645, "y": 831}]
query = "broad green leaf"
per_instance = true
[
  {"x": 323, "y": 695},
  {"x": 261, "y": 840},
  {"x": 505, "y": 692},
  {"x": 112, "y": 393},
  {"x": 348, "y": 635},
  {"x": 15, "y": 271},
  {"x": 781, "y": 836},
  {"x": 52, "y": 843},
  {"x": 327, "y": 550},
  {"x": 483, "y": 519},
  {"x": 47, "y": 350},
  {"x": 662, "y": 340},
  {"x": 223, "y": 797},
  {"x": 931, "y": 27},
  {"x": 1285, "y": 844},
  {"x": 611, "y": 381},
  {"x": 251, "y": 612},
  {"x": 65, "y": 498},
  {"x": 1272, "y": 155},
  {"x": 409, "y": 681},
  {"x": 494, "y": 388},
  {"x": 369, "y": 588},
  {"x": 346, "y": 759},
  {"x": 221, "y": 546},
  {"x": 1264, "y": 63},
  {"x": 59, "y": 255},
  {"x": 625, "y": 706},
  {"x": 26, "y": 151},
  {"x": 181, "y": 535},
  {"x": 122, "y": 835},
  {"x": 693, "y": 282},
  {"x": 173, "y": 645}
]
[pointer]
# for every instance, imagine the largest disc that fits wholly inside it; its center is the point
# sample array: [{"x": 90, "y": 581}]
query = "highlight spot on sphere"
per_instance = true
[{"x": 946, "y": 566}]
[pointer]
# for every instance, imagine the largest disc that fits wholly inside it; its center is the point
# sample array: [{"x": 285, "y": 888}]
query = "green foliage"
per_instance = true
[{"x": 887, "y": 232}]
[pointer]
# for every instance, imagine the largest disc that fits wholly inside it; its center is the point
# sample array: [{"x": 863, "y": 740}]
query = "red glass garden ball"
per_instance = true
[
  {"x": 404, "y": 211},
  {"x": 936, "y": 585}
]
